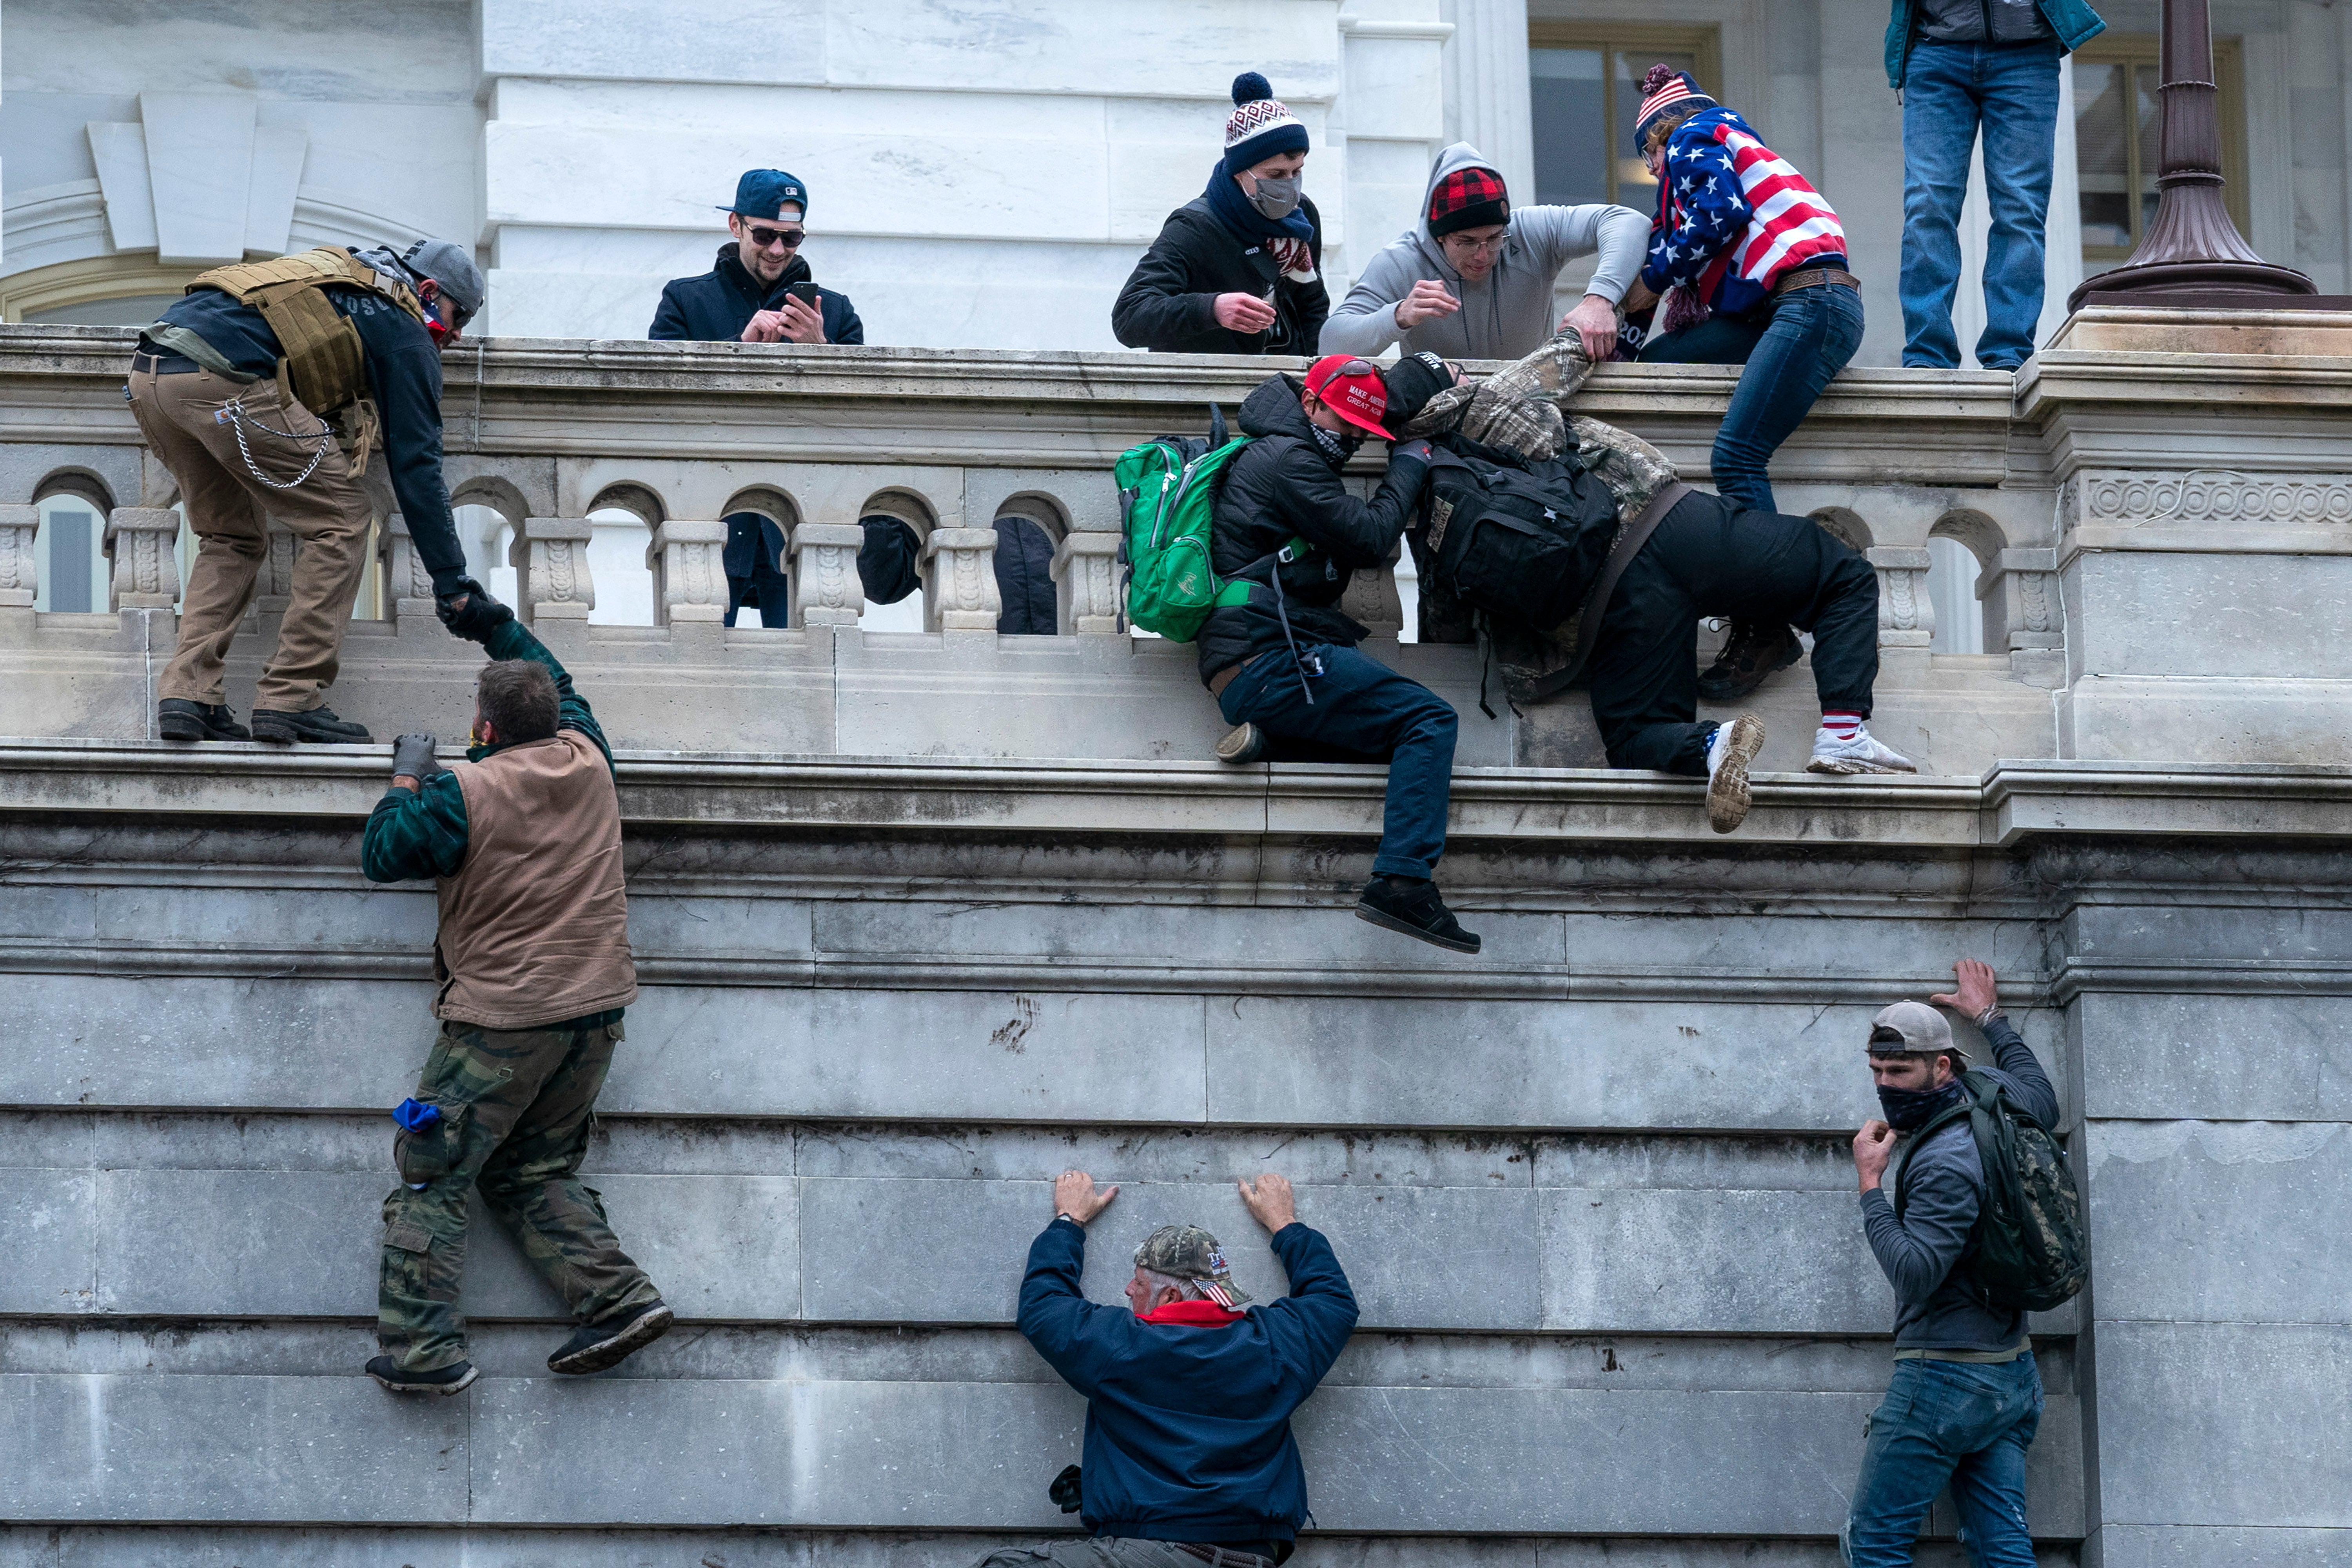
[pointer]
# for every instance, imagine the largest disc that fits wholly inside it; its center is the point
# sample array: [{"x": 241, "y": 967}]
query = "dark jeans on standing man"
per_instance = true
[
  {"x": 1948, "y": 90},
  {"x": 1791, "y": 358},
  {"x": 1365, "y": 712},
  {"x": 769, "y": 589},
  {"x": 1967, "y": 1424},
  {"x": 1708, "y": 558}
]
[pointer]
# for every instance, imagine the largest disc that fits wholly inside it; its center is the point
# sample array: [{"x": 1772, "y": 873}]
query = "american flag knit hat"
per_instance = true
[
  {"x": 1468, "y": 199},
  {"x": 1260, "y": 126},
  {"x": 1664, "y": 88}
]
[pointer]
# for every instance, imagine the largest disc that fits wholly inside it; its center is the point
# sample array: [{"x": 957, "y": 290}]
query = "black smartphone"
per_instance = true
[{"x": 805, "y": 293}]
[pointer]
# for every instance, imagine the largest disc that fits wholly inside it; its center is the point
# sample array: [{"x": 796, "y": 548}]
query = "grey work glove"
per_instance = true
[
  {"x": 412, "y": 757},
  {"x": 471, "y": 612}
]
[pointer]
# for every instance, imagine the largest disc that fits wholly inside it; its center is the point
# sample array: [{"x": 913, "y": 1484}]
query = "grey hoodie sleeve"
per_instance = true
[
  {"x": 1365, "y": 322},
  {"x": 1560, "y": 234}
]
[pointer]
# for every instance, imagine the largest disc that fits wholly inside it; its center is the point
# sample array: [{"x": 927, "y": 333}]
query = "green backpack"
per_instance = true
[
  {"x": 1167, "y": 497},
  {"x": 2028, "y": 1249}
]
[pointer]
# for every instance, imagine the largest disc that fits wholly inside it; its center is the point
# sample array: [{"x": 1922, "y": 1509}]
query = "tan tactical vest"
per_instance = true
[
  {"x": 323, "y": 367},
  {"x": 535, "y": 924}
]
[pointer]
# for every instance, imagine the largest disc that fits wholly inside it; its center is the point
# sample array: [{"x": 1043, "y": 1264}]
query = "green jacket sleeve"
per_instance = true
[
  {"x": 414, "y": 835},
  {"x": 513, "y": 641}
]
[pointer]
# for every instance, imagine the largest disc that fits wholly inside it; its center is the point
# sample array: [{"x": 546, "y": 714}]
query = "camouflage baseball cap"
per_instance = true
[{"x": 1189, "y": 1252}]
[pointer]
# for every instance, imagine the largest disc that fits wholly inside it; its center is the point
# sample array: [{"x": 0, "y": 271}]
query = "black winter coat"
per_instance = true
[
  {"x": 1169, "y": 302},
  {"x": 716, "y": 306},
  {"x": 1281, "y": 488},
  {"x": 1025, "y": 579}
]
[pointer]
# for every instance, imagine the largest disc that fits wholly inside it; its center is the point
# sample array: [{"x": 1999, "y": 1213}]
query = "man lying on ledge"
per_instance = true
[{"x": 1189, "y": 1456}]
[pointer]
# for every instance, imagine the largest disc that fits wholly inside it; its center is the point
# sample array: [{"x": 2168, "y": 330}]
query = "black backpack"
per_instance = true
[
  {"x": 1521, "y": 539},
  {"x": 2027, "y": 1250}
]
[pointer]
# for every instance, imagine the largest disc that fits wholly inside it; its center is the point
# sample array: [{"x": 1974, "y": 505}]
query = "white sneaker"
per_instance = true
[
  {"x": 1863, "y": 754},
  {"x": 1728, "y": 752}
]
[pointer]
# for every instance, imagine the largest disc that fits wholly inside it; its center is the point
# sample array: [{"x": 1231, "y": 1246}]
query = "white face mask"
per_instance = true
[{"x": 1275, "y": 198}]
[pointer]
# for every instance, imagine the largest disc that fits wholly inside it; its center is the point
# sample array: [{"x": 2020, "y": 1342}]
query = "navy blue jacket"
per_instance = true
[
  {"x": 404, "y": 372},
  {"x": 1188, "y": 1428},
  {"x": 716, "y": 306}
]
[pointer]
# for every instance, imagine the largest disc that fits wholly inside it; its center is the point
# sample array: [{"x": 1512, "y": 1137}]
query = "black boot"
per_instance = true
[
  {"x": 608, "y": 1344},
  {"x": 1755, "y": 652},
  {"x": 177, "y": 719},
  {"x": 440, "y": 1380},
  {"x": 1411, "y": 905},
  {"x": 318, "y": 726}
]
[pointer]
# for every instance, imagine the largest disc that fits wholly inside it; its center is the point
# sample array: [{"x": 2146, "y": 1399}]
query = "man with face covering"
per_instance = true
[
  {"x": 1239, "y": 268},
  {"x": 1473, "y": 279},
  {"x": 1966, "y": 1395}
]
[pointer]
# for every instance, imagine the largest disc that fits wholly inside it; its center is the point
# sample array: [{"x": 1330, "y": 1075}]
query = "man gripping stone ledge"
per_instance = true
[
  {"x": 1189, "y": 1455},
  {"x": 523, "y": 838}
]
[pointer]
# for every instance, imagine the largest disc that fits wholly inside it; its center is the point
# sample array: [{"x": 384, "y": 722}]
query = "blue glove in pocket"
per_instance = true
[
  {"x": 427, "y": 1145},
  {"x": 416, "y": 1116}
]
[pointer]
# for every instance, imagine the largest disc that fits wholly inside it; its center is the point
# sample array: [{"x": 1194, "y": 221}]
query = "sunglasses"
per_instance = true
[
  {"x": 1353, "y": 367},
  {"x": 763, "y": 237}
]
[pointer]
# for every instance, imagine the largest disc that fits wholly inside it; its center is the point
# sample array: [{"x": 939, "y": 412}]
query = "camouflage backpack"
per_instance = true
[{"x": 2028, "y": 1251}]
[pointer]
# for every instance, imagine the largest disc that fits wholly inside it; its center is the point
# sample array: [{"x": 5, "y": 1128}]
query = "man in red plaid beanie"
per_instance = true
[
  {"x": 1473, "y": 279},
  {"x": 1283, "y": 663}
]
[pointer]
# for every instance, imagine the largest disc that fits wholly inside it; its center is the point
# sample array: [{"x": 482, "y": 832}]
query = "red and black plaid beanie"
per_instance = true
[{"x": 1468, "y": 199}]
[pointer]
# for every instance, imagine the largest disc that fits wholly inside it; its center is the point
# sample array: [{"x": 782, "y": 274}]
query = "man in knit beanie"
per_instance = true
[
  {"x": 1473, "y": 279},
  {"x": 1237, "y": 269}
]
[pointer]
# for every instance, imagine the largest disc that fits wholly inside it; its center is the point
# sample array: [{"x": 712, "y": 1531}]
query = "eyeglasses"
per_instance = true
[
  {"x": 1478, "y": 246},
  {"x": 763, "y": 237}
]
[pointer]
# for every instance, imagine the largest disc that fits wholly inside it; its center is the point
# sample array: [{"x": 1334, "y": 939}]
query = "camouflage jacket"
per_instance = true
[{"x": 1519, "y": 409}]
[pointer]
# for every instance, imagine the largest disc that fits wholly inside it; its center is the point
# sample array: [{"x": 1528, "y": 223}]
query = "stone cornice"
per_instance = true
[{"x": 2012, "y": 802}]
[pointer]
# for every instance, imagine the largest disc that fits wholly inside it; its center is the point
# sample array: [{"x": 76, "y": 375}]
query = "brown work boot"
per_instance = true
[{"x": 1755, "y": 652}]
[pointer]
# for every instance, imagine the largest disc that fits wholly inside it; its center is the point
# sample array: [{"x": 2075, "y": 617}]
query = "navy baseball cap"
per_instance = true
[{"x": 762, "y": 192}]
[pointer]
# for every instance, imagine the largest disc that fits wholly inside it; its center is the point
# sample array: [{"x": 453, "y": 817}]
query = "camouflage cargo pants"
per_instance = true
[{"x": 517, "y": 1106}]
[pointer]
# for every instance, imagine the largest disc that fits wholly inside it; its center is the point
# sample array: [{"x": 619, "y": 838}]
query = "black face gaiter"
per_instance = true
[{"x": 1908, "y": 1110}]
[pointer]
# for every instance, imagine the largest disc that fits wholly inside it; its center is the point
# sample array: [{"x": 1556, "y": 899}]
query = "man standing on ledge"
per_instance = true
[
  {"x": 749, "y": 296},
  {"x": 524, "y": 839},
  {"x": 1189, "y": 1456},
  {"x": 1966, "y": 1397}
]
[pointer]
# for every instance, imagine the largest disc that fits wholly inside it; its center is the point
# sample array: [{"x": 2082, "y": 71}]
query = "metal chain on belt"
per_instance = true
[{"x": 237, "y": 419}]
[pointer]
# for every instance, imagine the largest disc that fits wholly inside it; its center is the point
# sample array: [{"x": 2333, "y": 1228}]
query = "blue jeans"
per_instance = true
[
  {"x": 1948, "y": 90},
  {"x": 1946, "y": 1421},
  {"x": 1812, "y": 335},
  {"x": 1363, "y": 711},
  {"x": 769, "y": 589}
]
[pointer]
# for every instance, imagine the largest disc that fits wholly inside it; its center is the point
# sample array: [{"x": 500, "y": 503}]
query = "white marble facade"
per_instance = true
[{"x": 983, "y": 175}]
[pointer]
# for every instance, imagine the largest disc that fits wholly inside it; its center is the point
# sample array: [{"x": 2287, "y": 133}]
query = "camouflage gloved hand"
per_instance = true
[{"x": 471, "y": 612}]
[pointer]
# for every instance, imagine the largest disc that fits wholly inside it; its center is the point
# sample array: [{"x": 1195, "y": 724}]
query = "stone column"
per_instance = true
[
  {"x": 550, "y": 555},
  {"x": 824, "y": 573},
  {"x": 1906, "y": 616},
  {"x": 19, "y": 574},
  {"x": 963, "y": 580},
  {"x": 273, "y": 590},
  {"x": 2024, "y": 615},
  {"x": 1486, "y": 87},
  {"x": 1372, "y": 600},
  {"x": 1086, "y": 566},
  {"x": 408, "y": 596},
  {"x": 139, "y": 541},
  {"x": 690, "y": 572}
]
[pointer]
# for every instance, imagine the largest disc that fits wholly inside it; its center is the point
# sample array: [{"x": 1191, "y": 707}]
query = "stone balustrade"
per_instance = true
[{"x": 2075, "y": 490}]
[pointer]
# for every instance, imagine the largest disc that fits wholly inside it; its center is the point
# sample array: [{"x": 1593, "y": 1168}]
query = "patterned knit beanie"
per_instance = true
[
  {"x": 1468, "y": 199},
  {"x": 1665, "y": 90},
  {"x": 1261, "y": 125}
]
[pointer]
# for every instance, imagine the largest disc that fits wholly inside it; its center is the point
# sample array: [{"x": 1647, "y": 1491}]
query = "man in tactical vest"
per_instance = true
[
  {"x": 1966, "y": 1395},
  {"x": 267, "y": 390},
  {"x": 523, "y": 840}
]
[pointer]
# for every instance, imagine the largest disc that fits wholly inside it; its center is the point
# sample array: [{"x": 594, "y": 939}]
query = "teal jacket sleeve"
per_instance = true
[
  {"x": 415, "y": 835},
  {"x": 513, "y": 641}
]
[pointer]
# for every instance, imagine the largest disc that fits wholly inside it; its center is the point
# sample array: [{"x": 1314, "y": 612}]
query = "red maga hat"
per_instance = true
[{"x": 1353, "y": 389}]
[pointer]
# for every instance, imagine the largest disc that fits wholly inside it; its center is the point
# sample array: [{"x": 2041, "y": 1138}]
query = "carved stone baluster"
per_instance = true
[
  {"x": 138, "y": 540},
  {"x": 688, "y": 564},
  {"x": 274, "y": 589},
  {"x": 550, "y": 555},
  {"x": 1086, "y": 566},
  {"x": 19, "y": 577},
  {"x": 824, "y": 573},
  {"x": 1906, "y": 616},
  {"x": 2025, "y": 613},
  {"x": 963, "y": 580},
  {"x": 407, "y": 586}
]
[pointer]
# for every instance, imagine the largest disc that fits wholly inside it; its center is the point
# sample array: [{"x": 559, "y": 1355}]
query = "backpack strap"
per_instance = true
[{"x": 1970, "y": 1105}]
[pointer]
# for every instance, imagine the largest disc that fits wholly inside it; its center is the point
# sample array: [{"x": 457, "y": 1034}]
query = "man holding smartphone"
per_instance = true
[{"x": 761, "y": 291}]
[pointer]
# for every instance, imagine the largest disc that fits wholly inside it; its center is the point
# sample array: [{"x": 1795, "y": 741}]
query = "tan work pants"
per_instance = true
[{"x": 327, "y": 513}]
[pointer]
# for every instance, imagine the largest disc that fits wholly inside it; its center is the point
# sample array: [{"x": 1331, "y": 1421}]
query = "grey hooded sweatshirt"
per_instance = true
[{"x": 1508, "y": 314}]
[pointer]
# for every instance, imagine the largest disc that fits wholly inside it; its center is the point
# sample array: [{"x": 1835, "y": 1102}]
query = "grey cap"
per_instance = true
[
  {"x": 1909, "y": 1027},
  {"x": 451, "y": 265}
]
